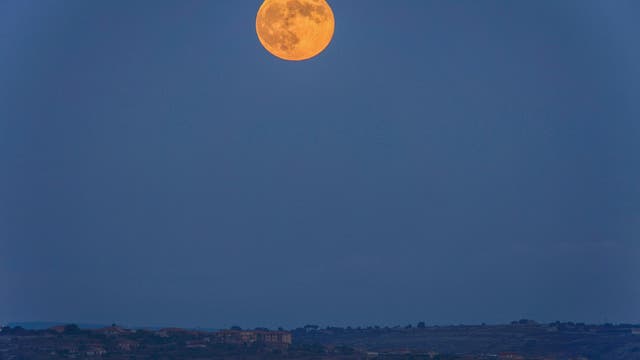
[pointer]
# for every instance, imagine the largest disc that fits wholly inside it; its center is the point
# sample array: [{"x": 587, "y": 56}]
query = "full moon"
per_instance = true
[{"x": 295, "y": 29}]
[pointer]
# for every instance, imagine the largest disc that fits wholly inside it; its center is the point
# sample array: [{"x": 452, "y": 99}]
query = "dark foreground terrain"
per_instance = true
[{"x": 519, "y": 340}]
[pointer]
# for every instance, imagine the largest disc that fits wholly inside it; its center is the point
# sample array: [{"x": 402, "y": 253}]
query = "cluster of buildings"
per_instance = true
[
  {"x": 267, "y": 338},
  {"x": 231, "y": 337},
  {"x": 251, "y": 337},
  {"x": 120, "y": 343}
]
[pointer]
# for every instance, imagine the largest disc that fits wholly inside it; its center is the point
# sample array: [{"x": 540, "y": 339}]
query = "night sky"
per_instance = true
[{"x": 445, "y": 161}]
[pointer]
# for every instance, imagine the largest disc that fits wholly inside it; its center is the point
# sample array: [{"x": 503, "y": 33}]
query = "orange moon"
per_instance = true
[{"x": 295, "y": 29}]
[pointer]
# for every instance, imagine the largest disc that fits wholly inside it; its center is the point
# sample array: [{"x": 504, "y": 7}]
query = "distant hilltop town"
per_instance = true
[
  {"x": 523, "y": 340},
  {"x": 263, "y": 337},
  {"x": 116, "y": 342}
]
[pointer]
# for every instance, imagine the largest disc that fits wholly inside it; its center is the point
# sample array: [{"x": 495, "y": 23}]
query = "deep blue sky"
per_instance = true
[{"x": 446, "y": 161}]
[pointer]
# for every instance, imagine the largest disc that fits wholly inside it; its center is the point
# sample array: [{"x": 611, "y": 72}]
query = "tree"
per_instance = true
[
  {"x": 71, "y": 329},
  {"x": 421, "y": 325}
]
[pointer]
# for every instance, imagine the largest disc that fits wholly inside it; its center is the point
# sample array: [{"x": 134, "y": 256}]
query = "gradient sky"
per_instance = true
[{"x": 446, "y": 161}]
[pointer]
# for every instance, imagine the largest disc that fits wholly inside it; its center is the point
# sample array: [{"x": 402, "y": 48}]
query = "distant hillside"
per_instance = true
[{"x": 41, "y": 325}]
